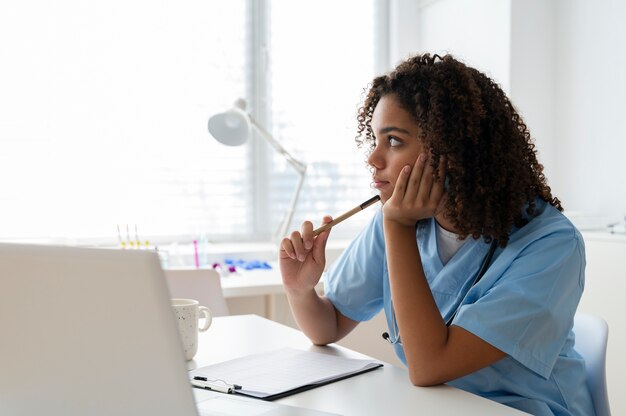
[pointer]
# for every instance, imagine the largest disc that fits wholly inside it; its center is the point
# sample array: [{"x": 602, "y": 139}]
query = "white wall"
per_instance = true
[
  {"x": 476, "y": 32},
  {"x": 403, "y": 29},
  {"x": 590, "y": 111},
  {"x": 532, "y": 74}
]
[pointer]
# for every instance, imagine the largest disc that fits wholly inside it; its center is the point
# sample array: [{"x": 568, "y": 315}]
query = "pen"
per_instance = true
[
  {"x": 212, "y": 386},
  {"x": 222, "y": 387},
  {"x": 347, "y": 215}
]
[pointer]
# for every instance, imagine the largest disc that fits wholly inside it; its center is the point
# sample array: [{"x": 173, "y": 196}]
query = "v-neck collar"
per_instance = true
[{"x": 459, "y": 270}]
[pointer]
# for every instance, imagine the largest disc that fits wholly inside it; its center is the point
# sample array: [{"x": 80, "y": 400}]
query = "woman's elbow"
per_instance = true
[
  {"x": 424, "y": 379},
  {"x": 321, "y": 340}
]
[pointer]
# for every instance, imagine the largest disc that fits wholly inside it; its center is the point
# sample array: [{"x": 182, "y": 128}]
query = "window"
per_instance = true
[{"x": 105, "y": 104}]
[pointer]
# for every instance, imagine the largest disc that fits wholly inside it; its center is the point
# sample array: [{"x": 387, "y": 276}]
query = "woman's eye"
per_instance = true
[{"x": 393, "y": 142}]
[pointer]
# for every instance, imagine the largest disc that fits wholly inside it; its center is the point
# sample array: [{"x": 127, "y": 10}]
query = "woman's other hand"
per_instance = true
[{"x": 302, "y": 258}]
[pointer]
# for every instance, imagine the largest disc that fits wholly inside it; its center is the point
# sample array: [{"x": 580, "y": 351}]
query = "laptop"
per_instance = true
[{"x": 91, "y": 332}]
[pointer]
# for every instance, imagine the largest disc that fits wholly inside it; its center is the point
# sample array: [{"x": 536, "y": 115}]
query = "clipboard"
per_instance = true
[{"x": 278, "y": 373}]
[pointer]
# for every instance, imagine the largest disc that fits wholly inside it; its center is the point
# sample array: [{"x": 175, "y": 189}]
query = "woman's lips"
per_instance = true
[{"x": 378, "y": 184}]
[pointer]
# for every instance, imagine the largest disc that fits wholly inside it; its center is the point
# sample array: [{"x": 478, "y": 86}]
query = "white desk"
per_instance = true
[{"x": 384, "y": 391}]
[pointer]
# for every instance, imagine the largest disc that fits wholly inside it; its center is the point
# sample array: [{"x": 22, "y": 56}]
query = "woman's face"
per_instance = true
[{"x": 397, "y": 144}]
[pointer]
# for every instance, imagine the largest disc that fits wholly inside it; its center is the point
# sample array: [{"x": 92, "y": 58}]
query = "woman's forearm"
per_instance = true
[
  {"x": 316, "y": 316},
  {"x": 423, "y": 332}
]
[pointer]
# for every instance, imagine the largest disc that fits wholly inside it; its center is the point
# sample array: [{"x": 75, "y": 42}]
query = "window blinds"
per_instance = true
[{"x": 104, "y": 108}]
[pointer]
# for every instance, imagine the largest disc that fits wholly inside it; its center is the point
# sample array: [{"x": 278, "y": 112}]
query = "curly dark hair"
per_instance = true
[{"x": 492, "y": 165}]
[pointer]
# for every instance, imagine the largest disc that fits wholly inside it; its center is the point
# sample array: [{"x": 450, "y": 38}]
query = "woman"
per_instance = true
[{"x": 476, "y": 268}]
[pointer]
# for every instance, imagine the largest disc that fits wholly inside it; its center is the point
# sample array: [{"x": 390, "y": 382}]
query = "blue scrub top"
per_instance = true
[{"x": 524, "y": 305}]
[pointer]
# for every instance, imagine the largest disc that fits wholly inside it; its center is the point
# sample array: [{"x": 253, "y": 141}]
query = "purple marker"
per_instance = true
[{"x": 195, "y": 253}]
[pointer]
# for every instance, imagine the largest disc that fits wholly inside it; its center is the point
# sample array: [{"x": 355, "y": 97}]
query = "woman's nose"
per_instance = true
[{"x": 375, "y": 159}]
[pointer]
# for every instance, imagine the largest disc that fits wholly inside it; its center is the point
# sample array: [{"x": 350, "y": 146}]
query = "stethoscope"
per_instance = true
[{"x": 394, "y": 338}]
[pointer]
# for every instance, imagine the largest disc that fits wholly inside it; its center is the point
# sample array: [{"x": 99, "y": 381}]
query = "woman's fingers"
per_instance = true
[
  {"x": 426, "y": 183},
  {"x": 327, "y": 219},
  {"x": 287, "y": 248},
  {"x": 401, "y": 184},
  {"x": 319, "y": 246},
  {"x": 307, "y": 235},
  {"x": 300, "y": 243},
  {"x": 414, "y": 187}
]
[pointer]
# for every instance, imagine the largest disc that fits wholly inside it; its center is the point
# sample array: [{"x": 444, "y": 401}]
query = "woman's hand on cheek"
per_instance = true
[{"x": 416, "y": 195}]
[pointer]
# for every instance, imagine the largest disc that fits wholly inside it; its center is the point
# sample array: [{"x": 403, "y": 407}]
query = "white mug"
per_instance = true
[{"x": 188, "y": 312}]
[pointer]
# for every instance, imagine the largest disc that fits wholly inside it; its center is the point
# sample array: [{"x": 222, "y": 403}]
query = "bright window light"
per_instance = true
[{"x": 104, "y": 109}]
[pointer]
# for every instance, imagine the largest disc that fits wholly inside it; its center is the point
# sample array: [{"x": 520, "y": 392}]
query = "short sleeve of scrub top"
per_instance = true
[
  {"x": 354, "y": 283},
  {"x": 525, "y": 302}
]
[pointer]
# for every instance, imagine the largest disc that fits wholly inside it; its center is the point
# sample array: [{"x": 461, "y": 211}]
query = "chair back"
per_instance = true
[
  {"x": 592, "y": 333},
  {"x": 203, "y": 285}
]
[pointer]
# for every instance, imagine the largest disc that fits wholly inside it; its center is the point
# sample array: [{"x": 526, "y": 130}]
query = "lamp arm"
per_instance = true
[{"x": 299, "y": 166}]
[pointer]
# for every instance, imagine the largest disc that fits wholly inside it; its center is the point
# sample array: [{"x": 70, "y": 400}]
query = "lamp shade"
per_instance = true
[{"x": 231, "y": 128}]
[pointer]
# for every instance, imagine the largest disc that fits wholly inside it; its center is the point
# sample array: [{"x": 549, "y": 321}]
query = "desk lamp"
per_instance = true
[{"x": 233, "y": 128}]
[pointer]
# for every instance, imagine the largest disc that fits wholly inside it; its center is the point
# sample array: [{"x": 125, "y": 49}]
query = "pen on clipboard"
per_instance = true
[
  {"x": 347, "y": 215},
  {"x": 222, "y": 387}
]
